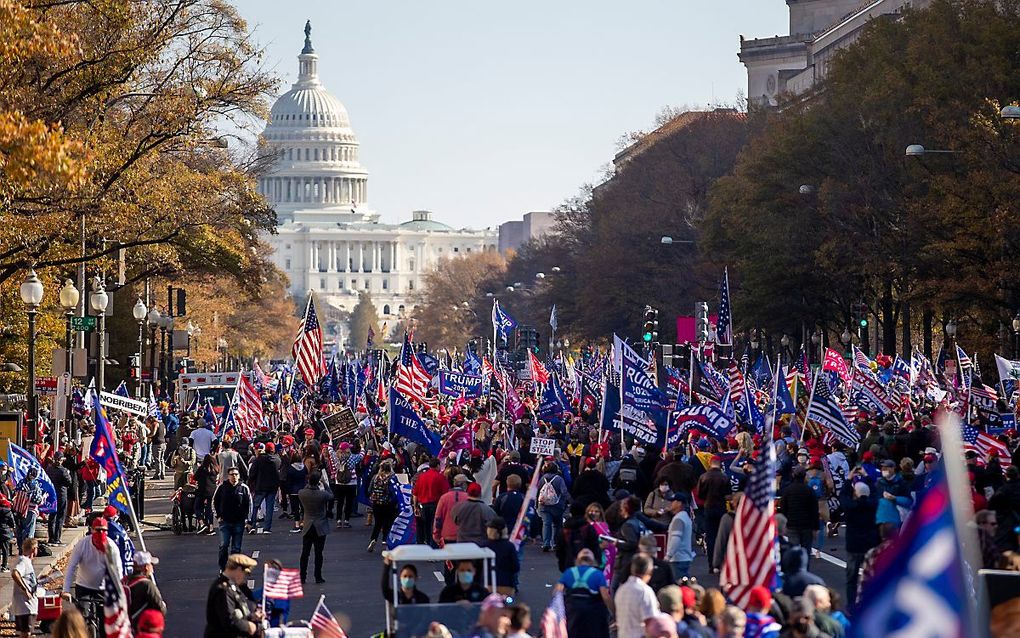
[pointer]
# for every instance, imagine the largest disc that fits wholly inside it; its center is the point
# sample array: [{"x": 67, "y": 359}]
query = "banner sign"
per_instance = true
[
  {"x": 543, "y": 447},
  {"x": 639, "y": 389},
  {"x": 405, "y": 422},
  {"x": 648, "y": 428},
  {"x": 117, "y": 402},
  {"x": 402, "y": 531},
  {"x": 455, "y": 384},
  {"x": 341, "y": 424},
  {"x": 708, "y": 419}
]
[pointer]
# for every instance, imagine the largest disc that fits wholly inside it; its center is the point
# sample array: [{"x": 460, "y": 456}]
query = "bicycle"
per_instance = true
[
  {"x": 176, "y": 513},
  {"x": 91, "y": 607}
]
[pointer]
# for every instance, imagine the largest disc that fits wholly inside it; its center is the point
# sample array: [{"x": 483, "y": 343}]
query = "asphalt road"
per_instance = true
[{"x": 188, "y": 566}]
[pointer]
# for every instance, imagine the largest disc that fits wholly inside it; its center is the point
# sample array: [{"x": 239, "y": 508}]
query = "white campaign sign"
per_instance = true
[
  {"x": 543, "y": 447},
  {"x": 117, "y": 402}
]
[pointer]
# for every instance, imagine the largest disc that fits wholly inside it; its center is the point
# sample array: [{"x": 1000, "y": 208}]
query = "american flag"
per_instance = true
[
  {"x": 724, "y": 324},
  {"x": 984, "y": 444},
  {"x": 826, "y": 412},
  {"x": 751, "y": 552},
  {"x": 307, "y": 350},
  {"x": 965, "y": 362},
  {"x": 282, "y": 584},
  {"x": 862, "y": 361},
  {"x": 554, "y": 620},
  {"x": 115, "y": 604},
  {"x": 737, "y": 384},
  {"x": 249, "y": 407},
  {"x": 412, "y": 380},
  {"x": 260, "y": 378},
  {"x": 324, "y": 625}
]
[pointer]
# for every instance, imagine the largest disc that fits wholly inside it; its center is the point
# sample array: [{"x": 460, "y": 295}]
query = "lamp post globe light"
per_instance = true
[
  {"x": 69, "y": 297},
  {"x": 99, "y": 300},
  {"x": 32, "y": 295},
  {"x": 845, "y": 337},
  {"x": 140, "y": 312}
]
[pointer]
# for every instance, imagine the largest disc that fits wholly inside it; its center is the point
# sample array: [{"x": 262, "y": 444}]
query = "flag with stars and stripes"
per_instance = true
[
  {"x": 751, "y": 553},
  {"x": 984, "y": 444},
  {"x": 724, "y": 324},
  {"x": 307, "y": 350},
  {"x": 826, "y": 412},
  {"x": 249, "y": 408},
  {"x": 116, "y": 621},
  {"x": 412, "y": 379},
  {"x": 324, "y": 624},
  {"x": 554, "y": 619}
]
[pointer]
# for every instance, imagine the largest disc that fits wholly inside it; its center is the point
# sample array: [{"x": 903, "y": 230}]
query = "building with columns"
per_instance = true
[
  {"x": 329, "y": 239},
  {"x": 793, "y": 64}
]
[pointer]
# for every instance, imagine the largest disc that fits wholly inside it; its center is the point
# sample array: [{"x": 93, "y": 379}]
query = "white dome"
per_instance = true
[{"x": 309, "y": 107}]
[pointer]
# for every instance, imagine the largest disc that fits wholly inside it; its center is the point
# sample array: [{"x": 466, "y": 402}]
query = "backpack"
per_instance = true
[
  {"x": 344, "y": 474},
  {"x": 380, "y": 494},
  {"x": 548, "y": 495}
]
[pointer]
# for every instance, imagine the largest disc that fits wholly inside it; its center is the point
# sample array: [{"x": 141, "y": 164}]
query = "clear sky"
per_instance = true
[{"x": 481, "y": 111}]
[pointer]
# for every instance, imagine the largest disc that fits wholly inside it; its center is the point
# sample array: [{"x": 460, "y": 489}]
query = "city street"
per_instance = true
[{"x": 352, "y": 574}]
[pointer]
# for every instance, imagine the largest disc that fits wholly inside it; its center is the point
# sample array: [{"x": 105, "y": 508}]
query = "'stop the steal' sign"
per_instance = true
[{"x": 543, "y": 447}]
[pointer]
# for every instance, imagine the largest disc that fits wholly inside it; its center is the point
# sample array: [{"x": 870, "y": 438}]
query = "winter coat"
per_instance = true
[
  {"x": 888, "y": 511},
  {"x": 796, "y": 577},
  {"x": 800, "y": 505},
  {"x": 859, "y": 516},
  {"x": 265, "y": 473}
]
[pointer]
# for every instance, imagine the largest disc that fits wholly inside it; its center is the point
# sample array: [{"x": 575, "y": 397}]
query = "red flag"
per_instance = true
[{"x": 834, "y": 362}]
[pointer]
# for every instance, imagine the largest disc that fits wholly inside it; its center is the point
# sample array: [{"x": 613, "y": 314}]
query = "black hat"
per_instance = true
[{"x": 497, "y": 523}]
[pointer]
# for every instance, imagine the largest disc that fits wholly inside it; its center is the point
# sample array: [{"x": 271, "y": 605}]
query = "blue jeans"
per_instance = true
[
  {"x": 680, "y": 569},
  {"x": 91, "y": 492},
  {"x": 270, "y": 500},
  {"x": 230, "y": 538},
  {"x": 27, "y": 528},
  {"x": 552, "y": 525}
]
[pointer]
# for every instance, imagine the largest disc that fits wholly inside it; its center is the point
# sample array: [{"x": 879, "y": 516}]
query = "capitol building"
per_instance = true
[{"x": 329, "y": 240}]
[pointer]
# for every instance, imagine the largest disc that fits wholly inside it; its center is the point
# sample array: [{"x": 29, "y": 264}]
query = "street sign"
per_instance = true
[
  {"x": 83, "y": 324},
  {"x": 543, "y": 447},
  {"x": 46, "y": 385}
]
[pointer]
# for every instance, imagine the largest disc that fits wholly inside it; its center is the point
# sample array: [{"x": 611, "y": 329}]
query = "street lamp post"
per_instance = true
[
  {"x": 191, "y": 331},
  {"x": 951, "y": 338},
  {"x": 168, "y": 352},
  {"x": 785, "y": 342},
  {"x": 816, "y": 341},
  {"x": 1016, "y": 335},
  {"x": 31, "y": 295},
  {"x": 139, "y": 312},
  {"x": 99, "y": 300},
  {"x": 221, "y": 347},
  {"x": 845, "y": 337},
  {"x": 69, "y": 297},
  {"x": 154, "y": 319}
]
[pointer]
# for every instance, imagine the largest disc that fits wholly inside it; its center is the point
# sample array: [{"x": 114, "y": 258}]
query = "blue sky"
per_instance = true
[{"x": 481, "y": 111}]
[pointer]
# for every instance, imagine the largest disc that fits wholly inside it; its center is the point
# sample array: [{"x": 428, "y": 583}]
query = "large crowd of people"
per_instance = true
[{"x": 626, "y": 524}]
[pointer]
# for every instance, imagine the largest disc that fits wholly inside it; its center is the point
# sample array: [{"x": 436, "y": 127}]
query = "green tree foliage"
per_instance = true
[
  {"x": 363, "y": 316},
  {"x": 448, "y": 314}
]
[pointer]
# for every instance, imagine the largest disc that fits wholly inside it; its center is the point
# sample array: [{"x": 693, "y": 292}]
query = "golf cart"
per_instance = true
[{"x": 412, "y": 621}]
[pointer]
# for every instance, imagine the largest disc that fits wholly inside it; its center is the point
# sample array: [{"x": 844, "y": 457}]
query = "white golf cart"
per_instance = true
[{"x": 412, "y": 621}]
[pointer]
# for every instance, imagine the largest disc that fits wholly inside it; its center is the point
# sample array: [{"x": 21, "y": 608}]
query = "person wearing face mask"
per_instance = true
[
  {"x": 657, "y": 503},
  {"x": 86, "y": 568},
  {"x": 893, "y": 495},
  {"x": 464, "y": 587},
  {"x": 407, "y": 592}
]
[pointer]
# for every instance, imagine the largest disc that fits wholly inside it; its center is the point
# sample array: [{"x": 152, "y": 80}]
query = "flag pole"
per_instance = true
[
  {"x": 807, "y": 411},
  {"x": 963, "y": 511},
  {"x": 265, "y": 572}
]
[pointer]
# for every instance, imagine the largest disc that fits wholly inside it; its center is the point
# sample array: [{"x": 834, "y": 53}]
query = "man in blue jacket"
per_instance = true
[{"x": 893, "y": 493}]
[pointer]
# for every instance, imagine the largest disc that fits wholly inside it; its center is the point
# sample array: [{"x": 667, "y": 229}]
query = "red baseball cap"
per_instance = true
[
  {"x": 474, "y": 489},
  {"x": 759, "y": 598},
  {"x": 688, "y": 597},
  {"x": 309, "y": 431}
]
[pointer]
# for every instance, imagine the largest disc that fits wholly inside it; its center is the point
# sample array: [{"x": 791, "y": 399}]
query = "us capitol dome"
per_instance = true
[{"x": 329, "y": 240}]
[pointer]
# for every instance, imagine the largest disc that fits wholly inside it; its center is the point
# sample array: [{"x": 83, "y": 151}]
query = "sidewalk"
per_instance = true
[{"x": 44, "y": 565}]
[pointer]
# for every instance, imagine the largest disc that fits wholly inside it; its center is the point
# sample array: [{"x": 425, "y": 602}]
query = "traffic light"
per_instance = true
[
  {"x": 701, "y": 321},
  {"x": 650, "y": 333}
]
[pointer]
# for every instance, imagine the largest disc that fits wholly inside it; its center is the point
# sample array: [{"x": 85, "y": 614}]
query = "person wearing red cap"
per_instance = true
[
  {"x": 150, "y": 624},
  {"x": 428, "y": 489},
  {"x": 472, "y": 516},
  {"x": 759, "y": 623},
  {"x": 86, "y": 568}
]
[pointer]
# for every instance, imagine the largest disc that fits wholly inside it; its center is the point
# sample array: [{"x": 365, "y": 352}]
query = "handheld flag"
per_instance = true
[
  {"x": 21, "y": 462},
  {"x": 404, "y": 421},
  {"x": 724, "y": 324},
  {"x": 104, "y": 452},
  {"x": 324, "y": 624},
  {"x": 307, "y": 350},
  {"x": 502, "y": 322},
  {"x": 282, "y": 584},
  {"x": 122, "y": 390},
  {"x": 751, "y": 552}
]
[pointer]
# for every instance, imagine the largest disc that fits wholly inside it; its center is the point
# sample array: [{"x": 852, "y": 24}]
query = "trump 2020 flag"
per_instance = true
[
  {"x": 104, "y": 452},
  {"x": 402, "y": 531},
  {"x": 918, "y": 587},
  {"x": 502, "y": 321},
  {"x": 21, "y": 462},
  {"x": 404, "y": 421}
]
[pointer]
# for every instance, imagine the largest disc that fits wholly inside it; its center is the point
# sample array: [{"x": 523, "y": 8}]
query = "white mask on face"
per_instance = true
[
  {"x": 887, "y": 473},
  {"x": 664, "y": 489}
]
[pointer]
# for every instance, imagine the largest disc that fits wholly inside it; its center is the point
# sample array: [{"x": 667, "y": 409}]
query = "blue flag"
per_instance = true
[
  {"x": 104, "y": 452},
  {"x": 918, "y": 587},
  {"x": 708, "y": 419},
  {"x": 21, "y": 462},
  {"x": 402, "y": 532},
  {"x": 610, "y": 405},
  {"x": 455, "y": 384},
  {"x": 405, "y": 422},
  {"x": 502, "y": 322},
  {"x": 784, "y": 400},
  {"x": 122, "y": 390},
  {"x": 762, "y": 372},
  {"x": 429, "y": 362},
  {"x": 210, "y": 415},
  {"x": 554, "y": 403},
  {"x": 472, "y": 364},
  {"x": 639, "y": 388}
]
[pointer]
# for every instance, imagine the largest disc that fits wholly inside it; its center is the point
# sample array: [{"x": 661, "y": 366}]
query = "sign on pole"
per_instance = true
[
  {"x": 83, "y": 324},
  {"x": 46, "y": 386},
  {"x": 117, "y": 402},
  {"x": 543, "y": 447}
]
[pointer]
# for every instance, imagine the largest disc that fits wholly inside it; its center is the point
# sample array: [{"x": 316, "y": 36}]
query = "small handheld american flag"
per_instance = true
[
  {"x": 324, "y": 624},
  {"x": 281, "y": 583}
]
